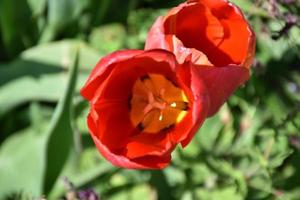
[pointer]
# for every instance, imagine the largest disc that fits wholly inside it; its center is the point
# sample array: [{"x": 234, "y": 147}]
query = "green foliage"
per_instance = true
[
  {"x": 22, "y": 152},
  {"x": 60, "y": 132},
  {"x": 249, "y": 150}
]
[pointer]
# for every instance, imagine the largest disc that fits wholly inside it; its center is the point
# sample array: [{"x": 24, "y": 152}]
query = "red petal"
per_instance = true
[
  {"x": 221, "y": 82},
  {"x": 182, "y": 53},
  {"x": 114, "y": 127},
  {"x": 102, "y": 70},
  {"x": 153, "y": 61},
  {"x": 215, "y": 27},
  {"x": 147, "y": 162},
  {"x": 158, "y": 144},
  {"x": 189, "y": 23},
  {"x": 201, "y": 101},
  {"x": 156, "y": 38},
  {"x": 154, "y": 162},
  {"x": 239, "y": 40},
  {"x": 160, "y": 55},
  {"x": 196, "y": 27}
]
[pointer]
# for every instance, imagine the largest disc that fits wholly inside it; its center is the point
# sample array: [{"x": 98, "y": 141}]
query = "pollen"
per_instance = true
[{"x": 156, "y": 104}]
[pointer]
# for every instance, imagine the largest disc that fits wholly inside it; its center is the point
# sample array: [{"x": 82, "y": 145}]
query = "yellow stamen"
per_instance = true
[{"x": 156, "y": 103}]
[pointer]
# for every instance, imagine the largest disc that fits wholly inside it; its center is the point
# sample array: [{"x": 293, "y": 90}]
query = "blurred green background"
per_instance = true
[{"x": 249, "y": 150}]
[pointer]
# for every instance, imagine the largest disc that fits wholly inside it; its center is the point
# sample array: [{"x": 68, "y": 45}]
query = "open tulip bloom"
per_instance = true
[{"x": 145, "y": 102}]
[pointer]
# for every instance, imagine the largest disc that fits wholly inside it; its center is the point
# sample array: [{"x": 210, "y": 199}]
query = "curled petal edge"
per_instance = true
[{"x": 121, "y": 161}]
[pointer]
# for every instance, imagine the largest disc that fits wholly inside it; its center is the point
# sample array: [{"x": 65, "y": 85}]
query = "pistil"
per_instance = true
[{"x": 156, "y": 103}]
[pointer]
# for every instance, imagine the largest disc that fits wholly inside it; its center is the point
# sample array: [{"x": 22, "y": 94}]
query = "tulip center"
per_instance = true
[{"x": 156, "y": 104}]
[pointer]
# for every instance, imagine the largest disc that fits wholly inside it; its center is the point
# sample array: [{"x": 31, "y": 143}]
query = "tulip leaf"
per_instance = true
[
  {"x": 59, "y": 54},
  {"x": 40, "y": 73},
  {"x": 21, "y": 159},
  {"x": 37, "y": 6},
  {"x": 160, "y": 183},
  {"x": 43, "y": 89},
  {"x": 60, "y": 132},
  {"x": 62, "y": 12},
  {"x": 16, "y": 25}
]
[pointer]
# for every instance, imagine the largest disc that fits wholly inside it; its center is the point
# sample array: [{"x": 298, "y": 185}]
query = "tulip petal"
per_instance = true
[
  {"x": 154, "y": 162},
  {"x": 152, "y": 61},
  {"x": 103, "y": 69},
  {"x": 114, "y": 127},
  {"x": 239, "y": 39},
  {"x": 216, "y": 28},
  {"x": 149, "y": 144},
  {"x": 182, "y": 53},
  {"x": 221, "y": 82},
  {"x": 196, "y": 27},
  {"x": 147, "y": 162},
  {"x": 160, "y": 55},
  {"x": 156, "y": 38},
  {"x": 188, "y": 22},
  {"x": 201, "y": 101}
]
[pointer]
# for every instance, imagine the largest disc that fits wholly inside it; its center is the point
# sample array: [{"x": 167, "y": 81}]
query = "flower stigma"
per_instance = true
[{"x": 156, "y": 104}]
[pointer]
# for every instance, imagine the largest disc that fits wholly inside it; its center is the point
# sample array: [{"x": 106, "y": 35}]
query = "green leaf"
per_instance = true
[
  {"x": 22, "y": 163},
  {"x": 229, "y": 192},
  {"x": 174, "y": 176},
  {"x": 201, "y": 174},
  {"x": 18, "y": 30},
  {"x": 248, "y": 7},
  {"x": 46, "y": 88},
  {"x": 37, "y": 6},
  {"x": 41, "y": 73},
  {"x": 62, "y": 12},
  {"x": 260, "y": 187},
  {"x": 60, "y": 132},
  {"x": 225, "y": 168},
  {"x": 108, "y": 38},
  {"x": 81, "y": 177},
  {"x": 210, "y": 131},
  {"x": 160, "y": 183},
  {"x": 280, "y": 152},
  {"x": 59, "y": 54}
]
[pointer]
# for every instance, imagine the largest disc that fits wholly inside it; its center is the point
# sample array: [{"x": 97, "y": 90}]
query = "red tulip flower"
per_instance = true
[
  {"x": 142, "y": 104},
  {"x": 215, "y": 36}
]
